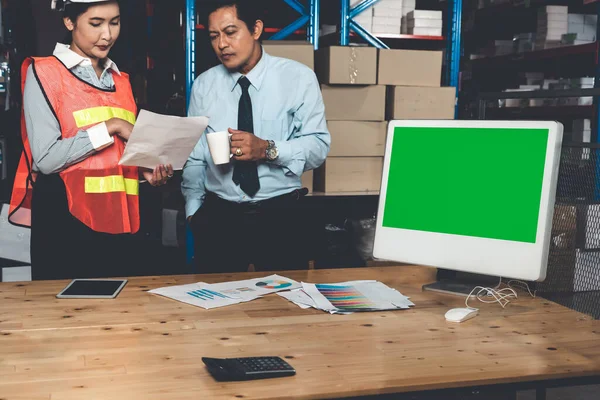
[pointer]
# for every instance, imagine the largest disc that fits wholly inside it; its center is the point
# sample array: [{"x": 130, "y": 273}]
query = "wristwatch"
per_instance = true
[{"x": 272, "y": 153}]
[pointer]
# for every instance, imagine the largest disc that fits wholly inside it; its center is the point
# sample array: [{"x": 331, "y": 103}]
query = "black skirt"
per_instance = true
[{"x": 62, "y": 247}]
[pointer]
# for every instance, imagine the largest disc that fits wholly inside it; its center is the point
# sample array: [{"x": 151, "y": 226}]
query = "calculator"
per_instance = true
[{"x": 247, "y": 368}]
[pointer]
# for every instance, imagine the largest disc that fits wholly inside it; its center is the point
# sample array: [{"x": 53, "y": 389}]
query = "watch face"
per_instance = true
[{"x": 272, "y": 153}]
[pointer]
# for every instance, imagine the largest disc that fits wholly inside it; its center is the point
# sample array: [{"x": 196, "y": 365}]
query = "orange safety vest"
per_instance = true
[{"x": 100, "y": 193}]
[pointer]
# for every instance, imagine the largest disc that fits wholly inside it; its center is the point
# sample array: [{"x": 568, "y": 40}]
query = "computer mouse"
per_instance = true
[{"x": 461, "y": 314}]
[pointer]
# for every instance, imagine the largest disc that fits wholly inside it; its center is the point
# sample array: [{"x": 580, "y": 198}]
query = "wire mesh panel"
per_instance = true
[{"x": 574, "y": 258}]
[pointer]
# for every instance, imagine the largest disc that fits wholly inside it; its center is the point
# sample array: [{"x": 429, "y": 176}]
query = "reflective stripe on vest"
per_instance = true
[
  {"x": 95, "y": 115},
  {"x": 110, "y": 184}
]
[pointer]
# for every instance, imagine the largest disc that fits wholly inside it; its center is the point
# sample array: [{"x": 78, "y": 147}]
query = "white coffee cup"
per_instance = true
[{"x": 220, "y": 146}]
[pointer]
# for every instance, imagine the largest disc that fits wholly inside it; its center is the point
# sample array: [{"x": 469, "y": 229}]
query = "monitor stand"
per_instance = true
[{"x": 459, "y": 283}]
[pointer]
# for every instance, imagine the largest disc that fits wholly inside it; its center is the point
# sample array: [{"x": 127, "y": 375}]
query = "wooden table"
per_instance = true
[{"x": 142, "y": 346}]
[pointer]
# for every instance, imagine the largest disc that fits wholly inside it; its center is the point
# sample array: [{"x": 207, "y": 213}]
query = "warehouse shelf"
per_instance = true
[
  {"x": 546, "y": 112},
  {"x": 545, "y": 54},
  {"x": 565, "y": 61},
  {"x": 519, "y": 5},
  {"x": 542, "y": 112}
]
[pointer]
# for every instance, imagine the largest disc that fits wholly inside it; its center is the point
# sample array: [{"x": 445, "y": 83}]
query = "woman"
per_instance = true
[{"x": 78, "y": 111}]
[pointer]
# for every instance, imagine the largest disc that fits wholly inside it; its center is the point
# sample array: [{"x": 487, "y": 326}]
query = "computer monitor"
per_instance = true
[{"x": 471, "y": 196}]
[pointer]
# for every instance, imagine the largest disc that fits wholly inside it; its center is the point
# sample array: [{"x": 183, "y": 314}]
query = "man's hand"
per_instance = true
[
  {"x": 119, "y": 127},
  {"x": 251, "y": 147},
  {"x": 160, "y": 175}
]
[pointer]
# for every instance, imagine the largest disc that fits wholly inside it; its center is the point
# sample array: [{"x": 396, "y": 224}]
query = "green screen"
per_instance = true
[{"x": 482, "y": 182}]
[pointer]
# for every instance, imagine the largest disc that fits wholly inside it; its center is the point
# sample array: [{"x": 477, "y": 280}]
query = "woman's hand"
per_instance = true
[
  {"x": 119, "y": 127},
  {"x": 159, "y": 176}
]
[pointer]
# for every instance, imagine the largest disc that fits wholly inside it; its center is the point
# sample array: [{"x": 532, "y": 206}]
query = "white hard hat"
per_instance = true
[{"x": 65, "y": 2}]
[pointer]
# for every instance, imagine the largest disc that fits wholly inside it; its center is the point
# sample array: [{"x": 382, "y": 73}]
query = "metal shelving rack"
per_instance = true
[{"x": 551, "y": 112}]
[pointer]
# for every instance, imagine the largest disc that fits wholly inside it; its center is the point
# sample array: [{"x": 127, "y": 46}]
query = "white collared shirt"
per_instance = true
[{"x": 71, "y": 59}]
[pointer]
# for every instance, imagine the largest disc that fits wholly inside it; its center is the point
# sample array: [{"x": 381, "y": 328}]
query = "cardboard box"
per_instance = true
[
  {"x": 424, "y": 23},
  {"x": 553, "y": 26},
  {"x": 425, "y": 31},
  {"x": 409, "y": 68},
  {"x": 388, "y": 8},
  {"x": 553, "y": 17},
  {"x": 405, "y": 102},
  {"x": 387, "y": 12},
  {"x": 357, "y": 138},
  {"x": 354, "y": 103},
  {"x": 420, "y": 14},
  {"x": 307, "y": 180},
  {"x": 347, "y": 65},
  {"x": 391, "y": 29},
  {"x": 300, "y": 51},
  {"x": 553, "y": 10},
  {"x": 349, "y": 174}
]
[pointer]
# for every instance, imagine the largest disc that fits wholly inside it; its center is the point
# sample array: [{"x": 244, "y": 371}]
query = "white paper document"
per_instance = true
[
  {"x": 253, "y": 288},
  {"x": 162, "y": 139},
  {"x": 299, "y": 298},
  {"x": 349, "y": 297},
  {"x": 215, "y": 295},
  {"x": 197, "y": 294}
]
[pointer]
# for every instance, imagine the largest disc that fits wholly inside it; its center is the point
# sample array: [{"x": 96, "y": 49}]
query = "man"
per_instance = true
[{"x": 249, "y": 211}]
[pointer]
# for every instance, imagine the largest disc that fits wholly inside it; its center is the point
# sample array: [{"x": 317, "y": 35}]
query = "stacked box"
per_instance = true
[
  {"x": 413, "y": 80},
  {"x": 347, "y": 65},
  {"x": 387, "y": 17},
  {"x": 581, "y": 132},
  {"x": 424, "y": 23},
  {"x": 355, "y": 112},
  {"x": 581, "y": 29},
  {"x": 552, "y": 24},
  {"x": 302, "y": 52},
  {"x": 407, "y": 6},
  {"x": 297, "y": 50}
]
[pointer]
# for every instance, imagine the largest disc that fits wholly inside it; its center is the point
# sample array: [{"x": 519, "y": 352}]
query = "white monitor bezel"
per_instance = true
[{"x": 517, "y": 260}]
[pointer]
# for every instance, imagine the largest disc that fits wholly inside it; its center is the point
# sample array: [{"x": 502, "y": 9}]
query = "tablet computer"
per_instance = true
[{"x": 92, "y": 289}]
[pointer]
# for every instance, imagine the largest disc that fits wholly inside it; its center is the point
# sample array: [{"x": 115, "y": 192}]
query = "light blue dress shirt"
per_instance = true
[{"x": 287, "y": 107}]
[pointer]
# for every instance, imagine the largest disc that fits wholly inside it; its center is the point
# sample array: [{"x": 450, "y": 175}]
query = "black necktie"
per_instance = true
[{"x": 245, "y": 173}]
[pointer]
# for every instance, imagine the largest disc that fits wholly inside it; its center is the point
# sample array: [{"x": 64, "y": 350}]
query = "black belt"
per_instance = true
[{"x": 276, "y": 201}]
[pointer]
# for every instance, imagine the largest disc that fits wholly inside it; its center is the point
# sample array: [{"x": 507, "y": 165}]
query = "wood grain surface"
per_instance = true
[{"x": 143, "y": 346}]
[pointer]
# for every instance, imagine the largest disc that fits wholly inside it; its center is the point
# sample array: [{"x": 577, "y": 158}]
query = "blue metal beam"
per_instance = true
[
  {"x": 190, "y": 75},
  {"x": 345, "y": 22},
  {"x": 291, "y": 28},
  {"x": 300, "y": 9},
  {"x": 453, "y": 46},
  {"x": 309, "y": 17},
  {"x": 313, "y": 32},
  {"x": 362, "y": 32},
  {"x": 190, "y": 46}
]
